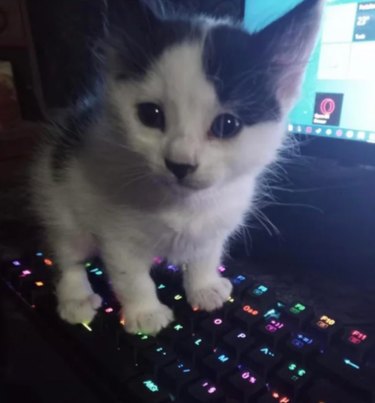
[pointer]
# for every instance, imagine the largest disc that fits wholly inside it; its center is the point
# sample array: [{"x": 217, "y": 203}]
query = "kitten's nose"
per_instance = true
[{"x": 180, "y": 171}]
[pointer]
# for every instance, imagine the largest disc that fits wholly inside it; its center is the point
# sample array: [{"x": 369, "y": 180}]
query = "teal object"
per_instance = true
[{"x": 260, "y": 13}]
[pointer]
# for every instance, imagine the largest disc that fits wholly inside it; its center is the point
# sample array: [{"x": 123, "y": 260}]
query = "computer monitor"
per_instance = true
[{"x": 337, "y": 105}]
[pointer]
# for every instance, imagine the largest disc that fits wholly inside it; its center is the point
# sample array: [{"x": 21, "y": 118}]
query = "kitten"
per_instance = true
[{"x": 164, "y": 158}]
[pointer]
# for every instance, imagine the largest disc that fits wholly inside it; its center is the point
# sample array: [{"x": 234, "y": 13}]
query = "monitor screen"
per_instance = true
[{"x": 338, "y": 95}]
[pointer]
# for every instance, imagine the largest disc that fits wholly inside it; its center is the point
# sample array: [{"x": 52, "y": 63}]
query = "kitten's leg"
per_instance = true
[
  {"x": 205, "y": 288},
  {"x": 77, "y": 302},
  {"x": 130, "y": 277}
]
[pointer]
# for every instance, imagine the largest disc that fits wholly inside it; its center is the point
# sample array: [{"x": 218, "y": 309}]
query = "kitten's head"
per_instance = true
[{"x": 202, "y": 102}]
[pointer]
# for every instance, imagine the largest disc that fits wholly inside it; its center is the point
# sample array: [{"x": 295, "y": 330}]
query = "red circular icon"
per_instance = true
[{"x": 327, "y": 106}]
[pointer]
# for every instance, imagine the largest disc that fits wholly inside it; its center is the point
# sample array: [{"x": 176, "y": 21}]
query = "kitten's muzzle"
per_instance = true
[{"x": 180, "y": 171}]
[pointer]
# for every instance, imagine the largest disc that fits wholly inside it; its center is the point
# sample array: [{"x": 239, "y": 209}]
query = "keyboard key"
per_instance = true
[
  {"x": 273, "y": 332},
  {"x": 240, "y": 283},
  {"x": 245, "y": 384},
  {"x": 260, "y": 296},
  {"x": 214, "y": 327},
  {"x": 205, "y": 391},
  {"x": 354, "y": 344},
  {"x": 346, "y": 372},
  {"x": 247, "y": 316},
  {"x": 301, "y": 347},
  {"x": 195, "y": 348},
  {"x": 324, "y": 329},
  {"x": 157, "y": 357},
  {"x": 218, "y": 365},
  {"x": 265, "y": 360},
  {"x": 291, "y": 378},
  {"x": 237, "y": 342},
  {"x": 177, "y": 376},
  {"x": 145, "y": 389},
  {"x": 298, "y": 314},
  {"x": 174, "y": 333}
]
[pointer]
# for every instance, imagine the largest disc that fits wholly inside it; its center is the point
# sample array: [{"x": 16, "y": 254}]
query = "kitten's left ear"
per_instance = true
[{"x": 286, "y": 46}]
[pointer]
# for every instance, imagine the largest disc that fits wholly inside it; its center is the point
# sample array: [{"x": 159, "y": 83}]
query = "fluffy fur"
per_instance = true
[{"x": 102, "y": 182}]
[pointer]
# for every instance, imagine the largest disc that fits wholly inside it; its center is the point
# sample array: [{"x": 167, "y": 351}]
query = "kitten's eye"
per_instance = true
[
  {"x": 225, "y": 126},
  {"x": 151, "y": 115}
]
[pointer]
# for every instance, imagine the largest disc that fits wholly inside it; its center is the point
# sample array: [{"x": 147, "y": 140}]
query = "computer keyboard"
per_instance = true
[{"x": 256, "y": 349}]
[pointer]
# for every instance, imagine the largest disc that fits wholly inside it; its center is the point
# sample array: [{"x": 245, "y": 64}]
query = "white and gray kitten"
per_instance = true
[{"x": 163, "y": 160}]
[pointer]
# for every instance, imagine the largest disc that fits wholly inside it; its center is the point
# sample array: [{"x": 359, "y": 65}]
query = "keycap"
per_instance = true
[
  {"x": 301, "y": 347},
  {"x": 178, "y": 376},
  {"x": 195, "y": 348},
  {"x": 205, "y": 391},
  {"x": 245, "y": 384},
  {"x": 157, "y": 357},
  {"x": 175, "y": 333},
  {"x": 218, "y": 365},
  {"x": 346, "y": 372},
  {"x": 354, "y": 344},
  {"x": 260, "y": 296},
  {"x": 291, "y": 378},
  {"x": 324, "y": 329},
  {"x": 297, "y": 315},
  {"x": 215, "y": 326},
  {"x": 264, "y": 359},
  {"x": 247, "y": 316},
  {"x": 323, "y": 390},
  {"x": 273, "y": 331},
  {"x": 240, "y": 283},
  {"x": 237, "y": 342},
  {"x": 146, "y": 389}
]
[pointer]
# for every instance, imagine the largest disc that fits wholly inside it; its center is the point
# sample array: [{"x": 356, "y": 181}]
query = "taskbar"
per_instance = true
[{"x": 333, "y": 132}]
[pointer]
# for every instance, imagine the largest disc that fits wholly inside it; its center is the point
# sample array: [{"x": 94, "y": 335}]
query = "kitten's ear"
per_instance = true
[{"x": 286, "y": 46}]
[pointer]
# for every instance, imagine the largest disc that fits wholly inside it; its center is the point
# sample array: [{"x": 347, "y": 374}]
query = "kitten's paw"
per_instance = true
[
  {"x": 147, "y": 320},
  {"x": 211, "y": 296},
  {"x": 79, "y": 310}
]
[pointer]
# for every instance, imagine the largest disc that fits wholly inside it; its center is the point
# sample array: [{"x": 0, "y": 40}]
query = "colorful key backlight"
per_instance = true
[
  {"x": 151, "y": 386},
  {"x": 280, "y": 398},
  {"x": 48, "y": 262},
  {"x": 274, "y": 326},
  {"x": 296, "y": 372},
  {"x": 301, "y": 341},
  {"x": 267, "y": 351},
  {"x": 39, "y": 283},
  {"x": 297, "y": 308},
  {"x": 16, "y": 263},
  {"x": 239, "y": 279},
  {"x": 211, "y": 389},
  {"x": 259, "y": 290},
  {"x": 248, "y": 376},
  {"x": 357, "y": 337},
  {"x": 250, "y": 310},
  {"x": 351, "y": 364},
  {"x": 325, "y": 322}
]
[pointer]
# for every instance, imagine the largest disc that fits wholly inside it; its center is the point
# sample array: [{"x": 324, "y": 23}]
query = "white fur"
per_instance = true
[{"x": 188, "y": 225}]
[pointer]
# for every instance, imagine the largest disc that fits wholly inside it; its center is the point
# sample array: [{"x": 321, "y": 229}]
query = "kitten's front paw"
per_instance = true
[
  {"x": 79, "y": 310},
  {"x": 211, "y": 296},
  {"x": 147, "y": 320}
]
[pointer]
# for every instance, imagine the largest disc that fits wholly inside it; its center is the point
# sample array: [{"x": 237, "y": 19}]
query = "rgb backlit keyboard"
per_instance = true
[{"x": 255, "y": 349}]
